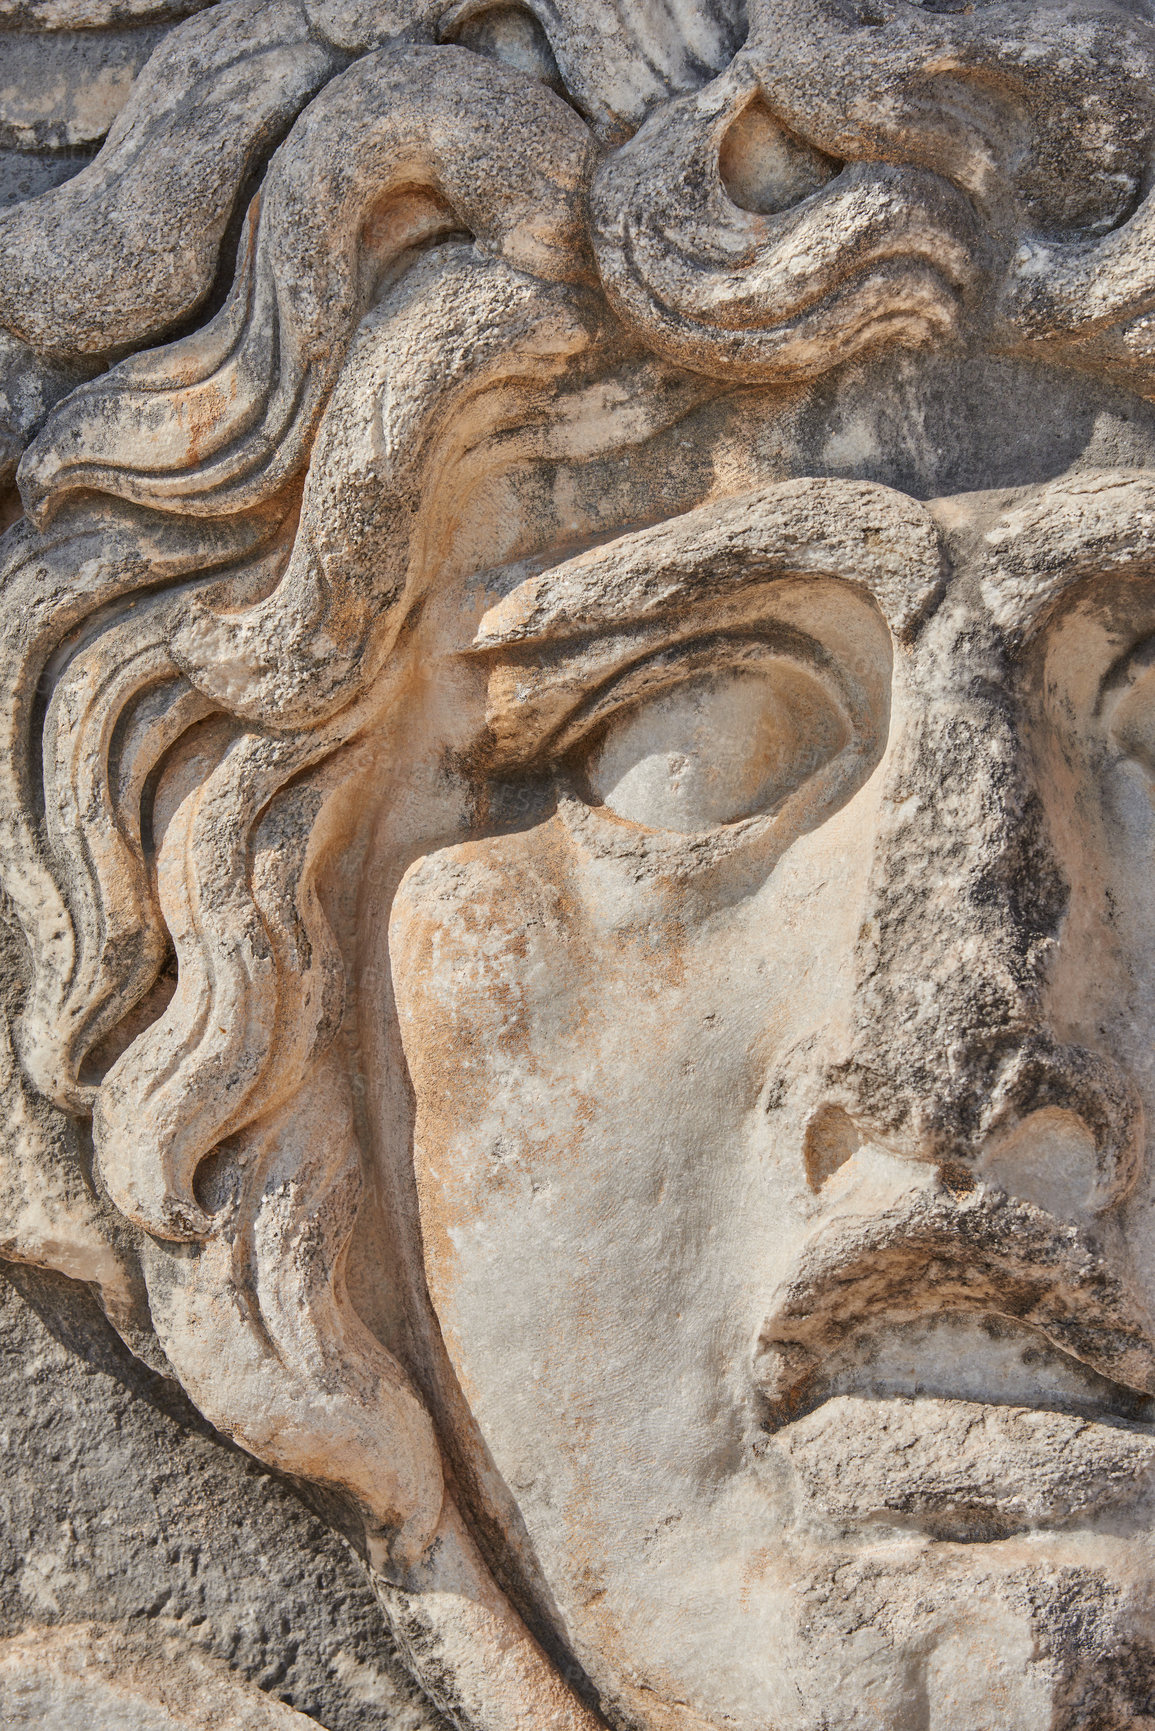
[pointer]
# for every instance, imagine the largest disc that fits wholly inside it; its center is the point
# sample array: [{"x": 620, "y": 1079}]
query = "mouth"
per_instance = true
[
  {"x": 966, "y": 1367},
  {"x": 959, "y": 1471}
]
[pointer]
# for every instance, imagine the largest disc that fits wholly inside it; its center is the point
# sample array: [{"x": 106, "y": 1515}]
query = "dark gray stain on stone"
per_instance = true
[{"x": 119, "y": 1503}]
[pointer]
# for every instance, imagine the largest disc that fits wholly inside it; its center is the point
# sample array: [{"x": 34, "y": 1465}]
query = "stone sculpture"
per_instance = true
[{"x": 578, "y": 736}]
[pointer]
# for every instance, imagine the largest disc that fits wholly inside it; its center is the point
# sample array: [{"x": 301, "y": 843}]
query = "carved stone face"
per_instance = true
[
  {"x": 591, "y": 965},
  {"x": 781, "y": 1074}
]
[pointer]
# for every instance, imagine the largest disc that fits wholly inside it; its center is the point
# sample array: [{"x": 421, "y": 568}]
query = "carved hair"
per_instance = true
[
  {"x": 829, "y": 192},
  {"x": 187, "y": 662}
]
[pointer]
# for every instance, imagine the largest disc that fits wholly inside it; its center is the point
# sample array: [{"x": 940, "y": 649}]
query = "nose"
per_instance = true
[{"x": 950, "y": 1047}]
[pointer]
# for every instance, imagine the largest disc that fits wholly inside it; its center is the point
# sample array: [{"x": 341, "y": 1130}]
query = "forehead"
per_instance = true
[{"x": 1020, "y": 552}]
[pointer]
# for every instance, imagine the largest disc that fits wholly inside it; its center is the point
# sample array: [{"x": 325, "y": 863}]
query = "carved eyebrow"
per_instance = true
[
  {"x": 853, "y": 530},
  {"x": 755, "y": 567},
  {"x": 1092, "y": 525}
]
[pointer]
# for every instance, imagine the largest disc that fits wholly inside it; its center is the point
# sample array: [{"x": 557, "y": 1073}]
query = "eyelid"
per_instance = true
[
  {"x": 539, "y": 700},
  {"x": 679, "y": 662},
  {"x": 683, "y": 828}
]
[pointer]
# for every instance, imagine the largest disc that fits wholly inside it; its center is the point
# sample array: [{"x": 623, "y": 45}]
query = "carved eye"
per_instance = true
[
  {"x": 1133, "y": 724},
  {"x": 510, "y": 34},
  {"x": 715, "y": 749}
]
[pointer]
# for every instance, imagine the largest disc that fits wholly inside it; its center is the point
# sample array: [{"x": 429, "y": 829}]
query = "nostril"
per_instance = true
[
  {"x": 831, "y": 1139},
  {"x": 1050, "y": 1158}
]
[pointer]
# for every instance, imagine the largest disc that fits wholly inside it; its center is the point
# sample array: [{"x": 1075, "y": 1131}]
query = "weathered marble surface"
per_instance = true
[{"x": 577, "y": 742}]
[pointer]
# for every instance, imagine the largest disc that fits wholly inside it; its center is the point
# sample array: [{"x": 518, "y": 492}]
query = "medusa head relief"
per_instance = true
[{"x": 577, "y": 811}]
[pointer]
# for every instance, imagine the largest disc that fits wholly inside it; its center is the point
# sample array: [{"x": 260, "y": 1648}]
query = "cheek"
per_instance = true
[
  {"x": 1130, "y": 861},
  {"x": 591, "y": 1060},
  {"x": 606, "y": 1187},
  {"x": 587, "y": 1091},
  {"x": 492, "y": 985},
  {"x": 536, "y": 1029}
]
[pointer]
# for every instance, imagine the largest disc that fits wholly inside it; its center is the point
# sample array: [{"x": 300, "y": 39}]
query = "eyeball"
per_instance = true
[
  {"x": 715, "y": 749},
  {"x": 1133, "y": 725}
]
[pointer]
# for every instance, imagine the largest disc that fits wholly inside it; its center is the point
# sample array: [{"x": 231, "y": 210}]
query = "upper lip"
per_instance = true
[{"x": 931, "y": 1252}]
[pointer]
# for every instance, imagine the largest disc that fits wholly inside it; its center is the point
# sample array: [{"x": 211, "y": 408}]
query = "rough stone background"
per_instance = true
[
  {"x": 119, "y": 1504},
  {"x": 66, "y": 70}
]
